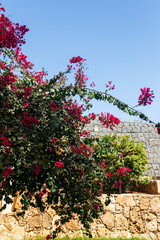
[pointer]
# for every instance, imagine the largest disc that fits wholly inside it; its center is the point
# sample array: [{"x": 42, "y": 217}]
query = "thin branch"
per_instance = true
[{"x": 131, "y": 108}]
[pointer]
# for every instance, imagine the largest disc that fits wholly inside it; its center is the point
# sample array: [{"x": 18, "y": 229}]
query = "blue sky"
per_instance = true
[{"x": 119, "y": 38}]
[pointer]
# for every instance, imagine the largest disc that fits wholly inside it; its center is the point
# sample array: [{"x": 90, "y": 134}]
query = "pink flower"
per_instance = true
[
  {"x": 59, "y": 164},
  {"x": 2, "y": 9},
  {"x": 96, "y": 206},
  {"x": 37, "y": 169},
  {"x": 83, "y": 149},
  {"x": 81, "y": 172},
  {"x": 104, "y": 165},
  {"x": 7, "y": 172},
  {"x": 123, "y": 171},
  {"x": 2, "y": 65},
  {"x": 42, "y": 193},
  {"x": 48, "y": 237},
  {"x": 54, "y": 106},
  {"x": 84, "y": 133},
  {"x": 110, "y": 175},
  {"x": 7, "y": 150},
  {"x": 117, "y": 184},
  {"x": 100, "y": 191},
  {"x": 14, "y": 88},
  {"x": 29, "y": 120},
  {"x": 92, "y": 84},
  {"x": 120, "y": 154},
  {"x": 76, "y": 59},
  {"x": 53, "y": 140},
  {"x": 6, "y": 105},
  {"x": 109, "y": 85},
  {"x": 108, "y": 120},
  {"x": 158, "y": 127},
  {"x": 92, "y": 115},
  {"x": 26, "y": 104},
  {"x": 146, "y": 97}
]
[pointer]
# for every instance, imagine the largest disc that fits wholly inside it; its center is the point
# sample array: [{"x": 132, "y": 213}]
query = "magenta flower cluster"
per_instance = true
[{"x": 146, "y": 97}]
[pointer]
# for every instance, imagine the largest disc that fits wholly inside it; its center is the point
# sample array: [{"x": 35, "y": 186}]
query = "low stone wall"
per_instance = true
[
  {"x": 141, "y": 132},
  {"x": 127, "y": 215}
]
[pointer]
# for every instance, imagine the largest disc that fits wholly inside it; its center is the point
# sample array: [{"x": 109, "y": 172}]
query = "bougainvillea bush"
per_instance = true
[
  {"x": 124, "y": 159},
  {"x": 44, "y": 151}
]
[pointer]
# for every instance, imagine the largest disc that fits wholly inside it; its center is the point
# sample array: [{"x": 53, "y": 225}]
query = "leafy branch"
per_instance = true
[{"x": 116, "y": 102}]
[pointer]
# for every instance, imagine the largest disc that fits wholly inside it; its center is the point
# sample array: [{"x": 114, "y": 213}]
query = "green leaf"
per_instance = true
[
  {"x": 110, "y": 99},
  {"x": 115, "y": 102}
]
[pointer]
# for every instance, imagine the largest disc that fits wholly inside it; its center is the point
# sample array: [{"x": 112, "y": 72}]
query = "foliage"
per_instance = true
[
  {"x": 44, "y": 152},
  {"x": 119, "y": 152}
]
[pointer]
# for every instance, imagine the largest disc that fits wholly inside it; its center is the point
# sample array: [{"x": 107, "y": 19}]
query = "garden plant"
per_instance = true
[
  {"x": 44, "y": 151},
  {"x": 123, "y": 159}
]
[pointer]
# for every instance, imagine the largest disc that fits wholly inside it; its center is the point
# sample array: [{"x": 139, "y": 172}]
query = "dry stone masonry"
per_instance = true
[
  {"x": 127, "y": 215},
  {"x": 141, "y": 132}
]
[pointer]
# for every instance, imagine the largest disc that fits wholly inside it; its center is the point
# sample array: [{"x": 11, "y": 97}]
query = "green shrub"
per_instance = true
[{"x": 119, "y": 151}]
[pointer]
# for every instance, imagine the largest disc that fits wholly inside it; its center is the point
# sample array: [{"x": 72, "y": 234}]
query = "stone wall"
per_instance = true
[
  {"x": 127, "y": 215},
  {"x": 141, "y": 132}
]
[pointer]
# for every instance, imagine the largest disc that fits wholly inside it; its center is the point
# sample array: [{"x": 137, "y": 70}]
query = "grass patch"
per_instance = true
[{"x": 85, "y": 238}]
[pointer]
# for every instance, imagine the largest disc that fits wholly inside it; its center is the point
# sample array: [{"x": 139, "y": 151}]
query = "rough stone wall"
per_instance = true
[
  {"x": 141, "y": 132},
  {"x": 127, "y": 215}
]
